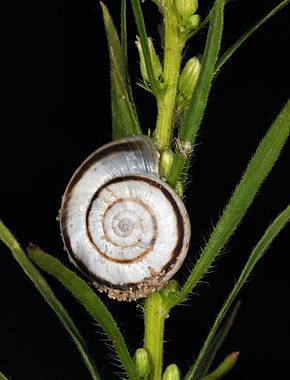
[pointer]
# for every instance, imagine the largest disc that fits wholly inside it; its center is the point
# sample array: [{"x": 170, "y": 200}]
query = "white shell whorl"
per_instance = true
[{"x": 126, "y": 229}]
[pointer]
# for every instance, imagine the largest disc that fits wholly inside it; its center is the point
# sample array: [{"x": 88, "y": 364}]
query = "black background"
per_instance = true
[{"x": 56, "y": 111}]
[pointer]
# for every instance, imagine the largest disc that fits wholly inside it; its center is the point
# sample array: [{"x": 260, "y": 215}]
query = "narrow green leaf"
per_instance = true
[
  {"x": 2, "y": 377},
  {"x": 91, "y": 302},
  {"x": 124, "y": 42},
  {"x": 124, "y": 116},
  {"x": 213, "y": 348},
  {"x": 145, "y": 45},
  {"x": 124, "y": 48},
  {"x": 258, "y": 169},
  {"x": 248, "y": 33},
  {"x": 42, "y": 286},
  {"x": 191, "y": 120},
  {"x": 224, "y": 368},
  {"x": 271, "y": 233}
]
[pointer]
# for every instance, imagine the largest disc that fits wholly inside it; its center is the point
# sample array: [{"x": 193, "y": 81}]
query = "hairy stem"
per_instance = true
[
  {"x": 174, "y": 45},
  {"x": 155, "y": 314}
]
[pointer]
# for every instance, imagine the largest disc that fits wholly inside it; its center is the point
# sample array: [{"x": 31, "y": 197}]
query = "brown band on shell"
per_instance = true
[
  {"x": 123, "y": 145},
  {"x": 137, "y": 143},
  {"x": 98, "y": 281},
  {"x": 108, "y": 150},
  {"x": 91, "y": 276},
  {"x": 152, "y": 241},
  {"x": 168, "y": 195},
  {"x": 175, "y": 253}
]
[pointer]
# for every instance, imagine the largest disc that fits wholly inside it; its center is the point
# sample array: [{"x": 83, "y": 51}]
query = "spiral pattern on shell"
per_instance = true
[{"x": 122, "y": 226}]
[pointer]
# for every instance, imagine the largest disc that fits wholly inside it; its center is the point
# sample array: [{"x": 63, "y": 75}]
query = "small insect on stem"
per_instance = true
[{"x": 183, "y": 148}]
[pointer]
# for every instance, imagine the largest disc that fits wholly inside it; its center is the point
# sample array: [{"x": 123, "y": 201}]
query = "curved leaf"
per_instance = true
[
  {"x": 271, "y": 233},
  {"x": 225, "y": 366},
  {"x": 42, "y": 286},
  {"x": 124, "y": 116},
  {"x": 223, "y": 59},
  {"x": 205, "y": 363},
  {"x": 88, "y": 298},
  {"x": 2, "y": 377},
  {"x": 258, "y": 169}
]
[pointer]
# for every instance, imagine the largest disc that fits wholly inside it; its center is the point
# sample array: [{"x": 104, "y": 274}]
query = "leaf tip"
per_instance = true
[
  {"x": 32, "y": 246},
  {"x": 33, "y": 251},
  {"x": 231, "y": 360}
]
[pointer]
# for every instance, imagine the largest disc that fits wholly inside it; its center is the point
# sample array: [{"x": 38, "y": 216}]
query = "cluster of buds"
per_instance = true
[
  {"x": 186, "y": 9},
  {"x": 156, "y": 64},
  {"x": 143, "y": 367}
]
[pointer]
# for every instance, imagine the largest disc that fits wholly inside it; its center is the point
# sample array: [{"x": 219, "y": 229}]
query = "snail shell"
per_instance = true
[{"x": 122, "y": 226}]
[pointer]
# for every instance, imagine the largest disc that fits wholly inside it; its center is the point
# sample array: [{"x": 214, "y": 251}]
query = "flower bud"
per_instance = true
[
  {"x": 188, "y": 77},
  {"x": 166, "y": 161},
  {"x": 142, "y": 363},
  {"x": 193, "y": 22},
  {"x": 171, "y": 373},
  {"x": 172, "y": 287},
  {"x": 186, "y": 8},
  {"x": 179, "y": 188},
  {"x": 156, "y": 65}
]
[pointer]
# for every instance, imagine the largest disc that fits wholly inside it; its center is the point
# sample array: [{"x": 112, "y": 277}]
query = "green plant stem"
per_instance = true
[
  {"x": 155, "y": 314},
  {"x": 174, "y": 45}
]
